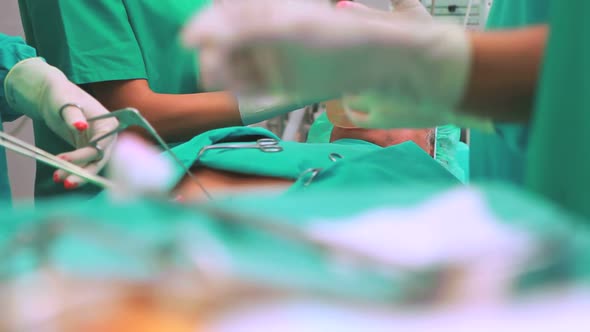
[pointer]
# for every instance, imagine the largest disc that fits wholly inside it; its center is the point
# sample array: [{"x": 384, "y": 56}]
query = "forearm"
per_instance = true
[
  {"x": 505, "y": 70},
  {"x": 181, "y": 117},
  {"x": 175, "y": 117}
]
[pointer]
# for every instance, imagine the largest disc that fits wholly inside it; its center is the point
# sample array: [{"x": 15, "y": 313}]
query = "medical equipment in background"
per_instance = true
[
  {"x": 472, "y": 14},
  {"x": 295, "y": 122},
  {"x": 293, "y": 126}
]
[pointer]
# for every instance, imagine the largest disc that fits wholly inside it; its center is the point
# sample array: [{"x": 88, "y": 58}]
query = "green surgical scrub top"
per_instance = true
[
  {"x": 106, "y": 40},
  {"x": 558, "y": 163},
  {"x": 345, "y": 163},
  {"x": 500, "y": 156},
  {"x": 12, "y": 50}
]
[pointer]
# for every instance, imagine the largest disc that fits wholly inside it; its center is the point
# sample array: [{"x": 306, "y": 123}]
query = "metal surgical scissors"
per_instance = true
[
  {"x": 129, "y": 117},
  {"x": 14, "y": 144},
  {"x": 267, "y": 145}
]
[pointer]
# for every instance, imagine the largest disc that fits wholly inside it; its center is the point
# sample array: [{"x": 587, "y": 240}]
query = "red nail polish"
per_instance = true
[
  {"x": 81, "y": 126},
  {"x": 64, "y": 158},
  {"x": 179, "y": 199},
  {"x": 56, "y": 178},
  {"x": 70, "y": 185}
]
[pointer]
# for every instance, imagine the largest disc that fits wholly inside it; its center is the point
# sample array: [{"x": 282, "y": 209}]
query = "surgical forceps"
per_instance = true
[
  {"x": 129, "y": 117},
  {"x": 267, "y": 145},
  {"x": 14, "y": 144}
]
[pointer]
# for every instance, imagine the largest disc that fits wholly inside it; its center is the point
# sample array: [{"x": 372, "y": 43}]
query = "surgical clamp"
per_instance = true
[
  {"x": 267, "y": 145},
  {"x": 14, "y": 144},
  {"x": 129, "y": 117}
]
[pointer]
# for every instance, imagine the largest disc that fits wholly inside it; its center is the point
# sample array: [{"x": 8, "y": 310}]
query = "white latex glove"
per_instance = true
[
  {"x": 367, "y": 109},
  {"x": 42, "y": 92},
  {"x": 316, "y": 52},
  {"x": 253, "y": 109},
  {"x": 376, "y": 110}
]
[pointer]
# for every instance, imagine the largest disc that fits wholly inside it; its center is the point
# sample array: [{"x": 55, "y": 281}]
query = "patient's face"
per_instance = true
[
  {"x": 344, "y": 128},
  {"x": 387, "y": 137}
]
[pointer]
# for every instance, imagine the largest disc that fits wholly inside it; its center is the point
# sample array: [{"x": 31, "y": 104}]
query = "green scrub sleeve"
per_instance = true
[
  {"x": 89, "y": 40},
  {"x": 559, "y": 163},
  {"x": 502, "y": 156},
  {"x": 12, "y": 51}
]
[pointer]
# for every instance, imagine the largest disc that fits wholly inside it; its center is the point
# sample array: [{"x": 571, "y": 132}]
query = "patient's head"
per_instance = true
[
  {"x": 388, "y": 137},
  {"x": 344, "y": 128}
]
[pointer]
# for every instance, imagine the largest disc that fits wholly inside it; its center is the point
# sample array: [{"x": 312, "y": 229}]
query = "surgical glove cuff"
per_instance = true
[
  {"x": 374, "y": 109},
  {"x": 27, "y": 83},
  {"x": 258, "y": 109}
]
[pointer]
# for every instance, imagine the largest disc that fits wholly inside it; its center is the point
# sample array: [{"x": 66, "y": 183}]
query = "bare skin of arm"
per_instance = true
[
  {"x": 506, "y": 67},
  {"x": 220, "y": 183},
  {"x": 175, "y": 117}
]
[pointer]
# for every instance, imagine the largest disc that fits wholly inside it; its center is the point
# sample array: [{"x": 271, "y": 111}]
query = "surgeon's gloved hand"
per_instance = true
[
  {"x": 43, "y": 92},
  {"x": 316, "y": 52},
  {"x": 374, "y": 110}
]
